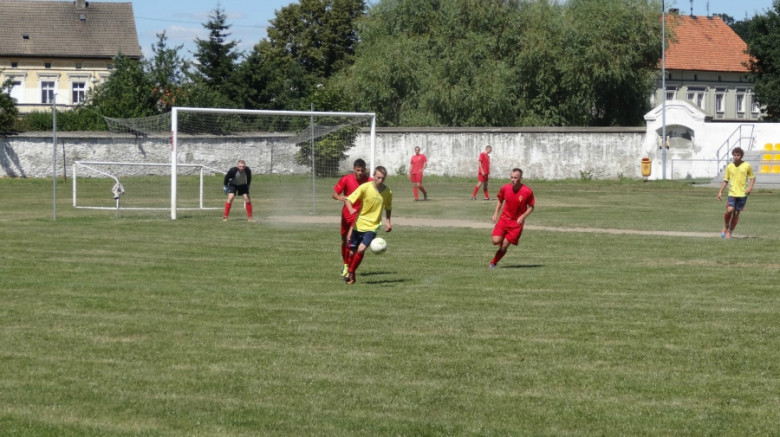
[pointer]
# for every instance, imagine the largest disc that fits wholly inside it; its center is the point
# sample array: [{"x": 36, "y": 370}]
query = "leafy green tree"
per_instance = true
[
  {"x": 764, "y": 33},
  {"x": 318, "y": 35},
  {"x": 8, "y": 110},
  {"x": 128, "y": 92},
  {"x": 740, "y": 27},
  {"x": 506, "y": 62},
  {"x": 217, "y": 60}
]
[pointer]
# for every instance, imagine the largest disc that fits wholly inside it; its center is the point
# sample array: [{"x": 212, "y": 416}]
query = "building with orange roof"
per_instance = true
[{"x": 706, "y": 65}]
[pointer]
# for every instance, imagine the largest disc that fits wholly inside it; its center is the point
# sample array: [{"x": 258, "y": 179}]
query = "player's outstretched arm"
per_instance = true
[
  {"x": 388, "y": 225},
  {"x": 349, "y": 206},
  {"x": 722, "y": 186},
  {"x": 521, "y": 219},
  {"x": 498, "y": 207}
]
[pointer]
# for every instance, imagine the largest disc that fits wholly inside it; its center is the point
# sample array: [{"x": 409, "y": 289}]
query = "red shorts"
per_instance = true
[
  {"x": 509, "y": 229},
  {"x": 347, "y": 221},
  {"x": 483, "y": 178},
  {"x": 416, "y": 178}
]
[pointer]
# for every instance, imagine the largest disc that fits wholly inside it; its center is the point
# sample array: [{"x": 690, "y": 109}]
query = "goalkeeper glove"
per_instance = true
[{"x": 225, "y": 189}]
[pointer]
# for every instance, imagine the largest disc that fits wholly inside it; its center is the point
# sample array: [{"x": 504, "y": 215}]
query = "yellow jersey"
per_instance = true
[
  {"x": 370, "y": 214},
  {"x": 738, "y": 178}
]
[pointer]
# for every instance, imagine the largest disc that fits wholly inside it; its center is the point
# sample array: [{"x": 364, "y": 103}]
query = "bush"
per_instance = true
[{"x": 79, "y": 119}]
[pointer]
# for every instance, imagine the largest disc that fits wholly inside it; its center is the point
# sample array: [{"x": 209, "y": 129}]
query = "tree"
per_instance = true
[
  {"x": 8, "y": 110},
  {"x": 741, "y": 27},
  {"x": 167, "y": 71},
  {"x": 216, "y": 56},
  {"x": 128, "y": 92},
  {"x": 506, "y": 62},
  {"x": 764, "y": 31}
]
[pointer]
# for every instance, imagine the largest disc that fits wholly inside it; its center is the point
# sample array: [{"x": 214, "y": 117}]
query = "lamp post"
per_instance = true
[
  {"x": 663, "y": 88},
  {"x": 54, "y": 153}
]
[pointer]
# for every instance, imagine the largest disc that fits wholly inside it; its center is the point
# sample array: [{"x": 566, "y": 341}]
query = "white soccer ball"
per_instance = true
[{"x": 378, "y": 246}]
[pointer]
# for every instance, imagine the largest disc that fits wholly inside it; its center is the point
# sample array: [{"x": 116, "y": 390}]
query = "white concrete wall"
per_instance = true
[
  {"x": 543, "y": 153},
  {"x": 697, "y": 158}
]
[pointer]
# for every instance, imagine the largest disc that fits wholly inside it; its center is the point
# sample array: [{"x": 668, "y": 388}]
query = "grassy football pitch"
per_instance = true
[{"x": 138, "y": 325}]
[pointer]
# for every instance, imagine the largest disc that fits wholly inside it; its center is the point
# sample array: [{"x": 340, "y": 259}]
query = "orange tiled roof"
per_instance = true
[{"x": 704, "y": 44}]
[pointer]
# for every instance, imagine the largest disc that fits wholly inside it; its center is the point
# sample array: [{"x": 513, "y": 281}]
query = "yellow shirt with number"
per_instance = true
[
  {"x": 738, "y": 178},
  {"x": 370, "y": 215}
]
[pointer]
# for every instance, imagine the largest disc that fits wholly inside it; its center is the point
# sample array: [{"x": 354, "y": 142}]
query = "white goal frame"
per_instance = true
[
  {"x": 87, "y": 164},
  {"x": 175, "y": 133}
]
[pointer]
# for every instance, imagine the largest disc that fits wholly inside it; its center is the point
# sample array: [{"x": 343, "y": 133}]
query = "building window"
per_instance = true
[
  {"x": 79, "y": 65},
  {"x": 47, "y": 92},
  {"x": 696, "y": 96},
  {"x": 16, "y": 91},
  {"x": 719, "y": 101},
  {"x": 755, "y": 107},
  {"x": 740, "y": 101},
  {"x": 671, "y": 93},
  {"x": 110, "y": 66},
  {"x": 14, "y": 65},
  {"x": 79, "y": 93}
]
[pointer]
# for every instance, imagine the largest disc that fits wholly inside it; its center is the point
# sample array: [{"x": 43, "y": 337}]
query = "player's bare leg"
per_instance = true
[
  {"x": 503, "y": 246},
  {"x": 730, "y": 218}
]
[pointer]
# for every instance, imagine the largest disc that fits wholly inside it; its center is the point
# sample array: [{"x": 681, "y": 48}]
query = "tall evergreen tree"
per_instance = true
[
  {"x": 216, "y": 56},
  {"x": 167, "y": 71}
]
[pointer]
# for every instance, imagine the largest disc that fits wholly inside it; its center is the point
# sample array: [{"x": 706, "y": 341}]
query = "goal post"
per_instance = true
[
  {"x": 295, "y": 156},
  {"x": 298, "y": 128}
]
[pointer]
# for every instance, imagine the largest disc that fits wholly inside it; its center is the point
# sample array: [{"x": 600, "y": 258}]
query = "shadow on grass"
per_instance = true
[
  {"x": 385, "y": 281},
  {"x": 521, "y": 266},
  {"x": 377, "y": 273}
]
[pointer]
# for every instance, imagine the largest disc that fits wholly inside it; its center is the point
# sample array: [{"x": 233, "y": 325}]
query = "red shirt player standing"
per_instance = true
[
  {"x": 518, "y": 202},
  {"x": 418, "y": 163},
  {"x": 344, "y": 187},
  {"x": 483, "y": 173}
]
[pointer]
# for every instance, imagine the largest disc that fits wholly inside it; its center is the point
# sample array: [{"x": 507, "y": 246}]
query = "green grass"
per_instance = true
[{"x": 141, "y": 326}]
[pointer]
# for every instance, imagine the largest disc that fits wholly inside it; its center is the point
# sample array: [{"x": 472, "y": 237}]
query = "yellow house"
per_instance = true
[{"x": 61, "y": 48}]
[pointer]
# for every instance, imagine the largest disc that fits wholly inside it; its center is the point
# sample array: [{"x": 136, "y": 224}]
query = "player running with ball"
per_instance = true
[
  {"x": 518, "y": 200},
  {"x": 344, "y": 187},
  {"x": 374, "y": 196}
]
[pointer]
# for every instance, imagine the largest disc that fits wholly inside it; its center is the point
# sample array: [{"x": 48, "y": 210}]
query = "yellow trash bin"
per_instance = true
[{"x": 646, "y": 167}]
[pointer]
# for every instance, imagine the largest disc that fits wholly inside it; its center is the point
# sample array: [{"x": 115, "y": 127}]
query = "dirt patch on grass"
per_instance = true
[{"x": 443, "y": 223}]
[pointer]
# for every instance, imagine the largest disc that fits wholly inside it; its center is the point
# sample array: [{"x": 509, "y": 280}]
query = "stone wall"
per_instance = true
[{"x": 542, "y": 153}]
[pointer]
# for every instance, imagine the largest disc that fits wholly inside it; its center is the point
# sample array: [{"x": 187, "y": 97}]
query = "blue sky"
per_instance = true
[{"x": 181, "y": 19}]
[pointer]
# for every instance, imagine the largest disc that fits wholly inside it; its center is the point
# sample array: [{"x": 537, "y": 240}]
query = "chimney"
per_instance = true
[
  {"x": 674, "y": 11},
  {"x": 81, "y": 4}
]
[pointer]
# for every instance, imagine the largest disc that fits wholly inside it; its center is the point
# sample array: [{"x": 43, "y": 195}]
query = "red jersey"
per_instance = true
[
  {"x": 346, "y": 186},
  {"x": 484, "y": 159},
  {"x": 417, "y": 164},
  {"x": 516, "y": 203}
]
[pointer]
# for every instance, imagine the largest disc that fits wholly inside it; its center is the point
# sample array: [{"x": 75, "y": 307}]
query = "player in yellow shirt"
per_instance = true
[
  {"x": 374, "y": 196},
  {"x": 737, "y": 175}
]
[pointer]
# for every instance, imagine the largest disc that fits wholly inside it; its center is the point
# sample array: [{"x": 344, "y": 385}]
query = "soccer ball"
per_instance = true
[{"x": 378, "y": 246}]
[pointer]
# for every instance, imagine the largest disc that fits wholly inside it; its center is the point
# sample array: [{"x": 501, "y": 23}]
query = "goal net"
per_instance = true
[{"x": 177, "y": 161}]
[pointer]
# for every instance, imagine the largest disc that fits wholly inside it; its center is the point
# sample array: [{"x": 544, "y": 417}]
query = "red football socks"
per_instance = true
[
  {"x": 727, "y": 219},
  {"x": 475, "y": 191},
  {"x": 356, "y": 260},
  {"x": 416, "y": 196},
  {"x": 487, "y": 196},
  {"x": 498, "y": 257},
  {"x": 734, "y": 223},
  {"x": 423, "y": 191},
  {"x": 249, "y": 209},
  {"x": 227, "y": 209},
  {"x": 344, "y": 252}
]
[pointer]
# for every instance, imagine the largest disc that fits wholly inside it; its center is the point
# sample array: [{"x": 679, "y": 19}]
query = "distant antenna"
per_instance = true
[
  {"x": 708, "y": 8},
  {"x": 691, "y": 8}
]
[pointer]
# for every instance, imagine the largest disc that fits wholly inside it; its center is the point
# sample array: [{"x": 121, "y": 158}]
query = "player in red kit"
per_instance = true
[
  {"x": 483, "y": 173},
  {"x": 418, "y": 163},
  {"x": 518, "y": 200},
  {"x": 344, "y": 187}
]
